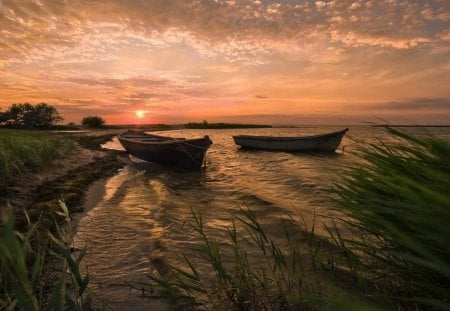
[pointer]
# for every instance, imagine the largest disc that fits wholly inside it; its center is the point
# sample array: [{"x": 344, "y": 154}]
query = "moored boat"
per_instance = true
[
  {"x": 179, "y": 152},
  {"x": 323, "y": 142}
]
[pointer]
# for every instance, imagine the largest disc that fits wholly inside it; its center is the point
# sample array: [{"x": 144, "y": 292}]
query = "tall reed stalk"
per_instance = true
[
  {"x": 398, "y": 204},
  {"x": 250, "y": 271}
]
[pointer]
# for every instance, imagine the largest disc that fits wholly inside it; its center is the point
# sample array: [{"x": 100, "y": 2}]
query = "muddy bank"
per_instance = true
[{"x": 66, "y": 178}]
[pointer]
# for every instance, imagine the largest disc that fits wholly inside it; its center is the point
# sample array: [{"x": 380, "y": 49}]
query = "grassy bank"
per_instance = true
[
  {"x": 22, "y": 151},
  {"x": 25, "y": 154},
  {"x": 39, "y": 270},
  {"x": 397, "y": 204}
]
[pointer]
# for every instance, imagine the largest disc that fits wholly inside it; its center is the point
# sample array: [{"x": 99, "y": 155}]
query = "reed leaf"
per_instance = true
[
  {"x": 399, "y": 200},
  {"x": 22, "y": 262}
]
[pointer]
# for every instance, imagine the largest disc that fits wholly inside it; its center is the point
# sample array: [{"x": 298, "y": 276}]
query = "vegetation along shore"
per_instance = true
[{"x": 42, "y": 171}]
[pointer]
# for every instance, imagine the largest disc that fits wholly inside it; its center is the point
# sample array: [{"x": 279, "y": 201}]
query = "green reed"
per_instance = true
[
  {"x": 398, "y": 204},
  {"x": 21, "y": 151},
  {"x": 251, "y": 271},
  {"x": 23, "y": 255}
]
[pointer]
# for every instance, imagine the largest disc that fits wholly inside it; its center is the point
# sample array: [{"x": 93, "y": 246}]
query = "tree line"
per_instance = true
[{"x": 40, "y": 116}]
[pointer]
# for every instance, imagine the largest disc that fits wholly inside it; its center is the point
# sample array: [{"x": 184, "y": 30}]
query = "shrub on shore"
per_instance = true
[{"x": 93, "y": 122}]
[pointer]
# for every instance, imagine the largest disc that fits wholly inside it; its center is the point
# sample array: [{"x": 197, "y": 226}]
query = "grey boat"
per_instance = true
[{"x": 323, "y": 142}]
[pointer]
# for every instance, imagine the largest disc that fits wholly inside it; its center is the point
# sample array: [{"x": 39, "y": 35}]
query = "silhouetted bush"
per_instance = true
[{"x": 93, "y": 122}]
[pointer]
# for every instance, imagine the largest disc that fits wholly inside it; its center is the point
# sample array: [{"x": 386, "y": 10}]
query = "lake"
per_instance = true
[{"x": 136, "y": 217}]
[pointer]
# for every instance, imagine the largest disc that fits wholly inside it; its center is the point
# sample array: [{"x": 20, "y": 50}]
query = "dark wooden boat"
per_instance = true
[
  {"x": 322, "y": 142},
  {"x": 179, "y": 152}
]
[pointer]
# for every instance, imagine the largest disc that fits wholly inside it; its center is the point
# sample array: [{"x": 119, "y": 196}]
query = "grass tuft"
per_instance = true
[{"x": 21, "y": 151}]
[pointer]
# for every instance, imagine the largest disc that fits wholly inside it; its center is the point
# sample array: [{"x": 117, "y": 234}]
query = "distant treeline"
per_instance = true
[
  {"x": 41, "y": 116},
  {"x": 206, "y": 125},
  {"x": 409, "y": 125}
]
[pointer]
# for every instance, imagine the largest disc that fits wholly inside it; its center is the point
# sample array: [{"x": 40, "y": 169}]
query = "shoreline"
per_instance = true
[
  {"x": 68, "y": 177},
  {"x": 92, "y": 198},
  {"x": 78, "y": 177}
]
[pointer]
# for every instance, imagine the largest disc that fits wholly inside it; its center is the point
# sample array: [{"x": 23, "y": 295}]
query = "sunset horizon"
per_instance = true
[{"x": 275, "y": 62}]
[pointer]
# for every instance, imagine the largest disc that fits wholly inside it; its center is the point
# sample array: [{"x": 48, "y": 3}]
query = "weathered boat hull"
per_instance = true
[
  {"x": 325, "y": 142},
  {"x": 184, "y": 153}
]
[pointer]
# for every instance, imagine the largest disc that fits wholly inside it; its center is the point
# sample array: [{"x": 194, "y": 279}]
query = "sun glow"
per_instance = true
[{"x": 140, "y": 113}]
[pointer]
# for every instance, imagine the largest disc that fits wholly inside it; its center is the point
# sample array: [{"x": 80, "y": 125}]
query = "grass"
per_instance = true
[
  {"x": 22, "y": 151},
  {"x": 397, "y": 204},
  {"x": 250, "y": 271},
  {"x": 22, "y": 261},
  {"x": 93, "y": 142},
  {"x": 73, "y": 185}
]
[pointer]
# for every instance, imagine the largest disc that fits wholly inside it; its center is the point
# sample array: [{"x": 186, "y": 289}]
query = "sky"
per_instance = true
[{"x": 253, "y": 61}]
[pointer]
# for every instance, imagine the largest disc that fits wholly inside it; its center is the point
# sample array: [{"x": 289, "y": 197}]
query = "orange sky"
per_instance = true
[{"x": 176, "y": 61}]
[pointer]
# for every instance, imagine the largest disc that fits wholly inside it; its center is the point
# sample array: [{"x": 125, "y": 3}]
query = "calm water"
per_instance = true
[{"x": 138, "y": 217}]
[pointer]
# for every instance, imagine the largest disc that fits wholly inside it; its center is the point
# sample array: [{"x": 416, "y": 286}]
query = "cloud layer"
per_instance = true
[{"x": 193, "y": 59}]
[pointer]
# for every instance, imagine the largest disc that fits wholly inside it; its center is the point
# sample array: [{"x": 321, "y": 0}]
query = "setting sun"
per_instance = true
[{"x": 140, "y": 113}]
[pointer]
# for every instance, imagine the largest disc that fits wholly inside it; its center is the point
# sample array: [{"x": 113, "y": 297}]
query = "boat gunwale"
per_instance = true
[
  {"x": 165, "y": 142},
  {"x": 163, "y": 139}
]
